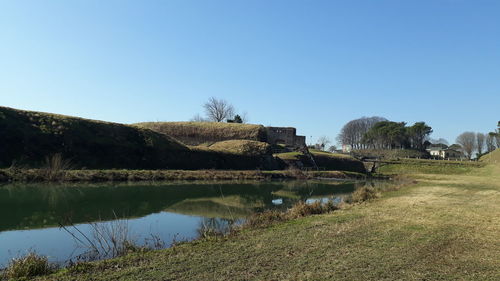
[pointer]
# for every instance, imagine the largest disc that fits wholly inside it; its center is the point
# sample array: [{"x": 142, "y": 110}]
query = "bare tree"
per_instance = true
[
  {"x": 244, "y": 117},
  {"x": 467, "y": 141},
  {"x": 332, "y": 148},
  {"x": 480, "y": 140},
  {"x": 323, "y": 141},
  {"x": 198, "y": 118},
  {"x": 218, "y": 110},
  {"x": 439, "y": 141},
  {"x": 353, "y": 131}
]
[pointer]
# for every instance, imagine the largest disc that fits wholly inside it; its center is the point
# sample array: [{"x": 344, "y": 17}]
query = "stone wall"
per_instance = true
[{"x": 286, "y": 136}]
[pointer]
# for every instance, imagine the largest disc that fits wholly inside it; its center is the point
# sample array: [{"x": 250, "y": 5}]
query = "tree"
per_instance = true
[
  {"x": 417, "y": 134},
  {"x": 467, "y": 141},
  {"x": 497, "y": 135},
  {"x": 480, "y": 141},
  {"x": 352, "y": 132},
  {"x": 387, "y": 135},
  {"x": 490, "y": 142},
  {"x": 323, "y": 141},
  {"x": 218, "y": 110},
  {"x": 198, "y": 118},
  {"x": 236, "y": 119},
  {"x": 332, "y": 148},
  {"x": 439, "y": 141}
]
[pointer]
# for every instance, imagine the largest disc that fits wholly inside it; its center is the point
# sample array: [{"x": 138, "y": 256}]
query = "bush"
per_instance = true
[
  {"x": 28, "y": 266},
  {"x": 300, "y": 209},
  {"x": 363, "y": 194},
  {"x": 265, "y": 218},
  {"x": 303, "y": 209}
]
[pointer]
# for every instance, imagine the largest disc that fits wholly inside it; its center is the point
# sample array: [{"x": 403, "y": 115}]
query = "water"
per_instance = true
[{"x": 31, "y": 214}]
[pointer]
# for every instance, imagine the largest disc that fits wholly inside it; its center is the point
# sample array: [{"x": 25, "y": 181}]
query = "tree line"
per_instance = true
[
  {"x": 479, "y": 143},
  {"x": 379, "y": 133}
]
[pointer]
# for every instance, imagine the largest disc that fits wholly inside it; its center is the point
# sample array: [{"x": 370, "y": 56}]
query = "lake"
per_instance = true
[{"x": 31, "y": 215}]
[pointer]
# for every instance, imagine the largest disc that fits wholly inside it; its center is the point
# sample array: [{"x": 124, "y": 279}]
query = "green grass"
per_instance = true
[
  {"x": 196, "y": 133},
  {"x": 317, "y": 152},
  {"x": 295, "y": 155},
  {"x": 443, "y": 228}
]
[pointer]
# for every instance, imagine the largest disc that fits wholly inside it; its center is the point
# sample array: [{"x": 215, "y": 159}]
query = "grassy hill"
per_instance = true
[
  {"x": 492, "y": 157},
  {"x": 245, "y": 147},
  {"x": 28, "y": 138},
  {"x": 196, "y": 133}
]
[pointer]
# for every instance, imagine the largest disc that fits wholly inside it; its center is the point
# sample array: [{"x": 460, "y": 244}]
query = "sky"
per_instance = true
[{"x": 313, "y": 65}]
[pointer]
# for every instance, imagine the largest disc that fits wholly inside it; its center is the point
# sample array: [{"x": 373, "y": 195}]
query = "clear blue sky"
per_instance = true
[{"x": 313, "y": 65}]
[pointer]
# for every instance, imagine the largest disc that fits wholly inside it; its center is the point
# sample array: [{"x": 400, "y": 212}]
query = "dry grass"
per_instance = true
[
  {"x": 196, "y": 133},
  {"x": 27, "y": 267},
  {"x": 364, "y": 194},
  {"x": 245, "y": 147},
  {"x": 39, "y": 175},
  {"x": 299, "y": 210},
  {"x": 55, "y": 167},
  {"x": 492, "y": 157}
]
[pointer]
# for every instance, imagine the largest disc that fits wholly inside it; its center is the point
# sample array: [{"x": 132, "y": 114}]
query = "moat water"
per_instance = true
[{"x": 50, "y": 219}]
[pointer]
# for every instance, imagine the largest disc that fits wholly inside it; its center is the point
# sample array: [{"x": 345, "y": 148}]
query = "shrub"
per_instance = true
[
  {"x": 28, "y": 266},
  {"x": 265, "y": 218},
  {"x": 54, "y": 168},
  {"x": 303, "y": 209},
  {"x": 363, "y": 194},
  {"x": 300, "y": 209}
]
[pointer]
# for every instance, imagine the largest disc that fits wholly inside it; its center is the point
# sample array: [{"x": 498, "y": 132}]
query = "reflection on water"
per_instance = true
[{"x": 30, "y": 213}]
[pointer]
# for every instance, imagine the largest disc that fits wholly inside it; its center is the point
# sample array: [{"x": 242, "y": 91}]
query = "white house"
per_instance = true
[{"x": 445, "y": 153}]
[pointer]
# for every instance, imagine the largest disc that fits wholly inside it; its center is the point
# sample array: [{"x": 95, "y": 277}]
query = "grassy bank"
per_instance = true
[
  {"x": 43, "y": 175},
  {"x": 196, "y": 133},
  {"x": 32, "y": 139},
  {"x": 444, "y": 228},
  {"x": 323, "y": 160},
  {"x": 419, "y": 166}
]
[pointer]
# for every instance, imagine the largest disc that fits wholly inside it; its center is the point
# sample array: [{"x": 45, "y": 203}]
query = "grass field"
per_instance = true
[{"x": 446, "y": 227}]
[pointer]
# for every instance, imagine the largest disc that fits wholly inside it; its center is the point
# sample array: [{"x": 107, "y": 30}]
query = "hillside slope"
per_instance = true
[
  {"x": 28, "y": 137},
  {"x": 492, "y": 157},
  {"x": 196, "y": 133}
]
